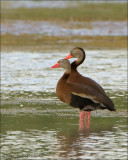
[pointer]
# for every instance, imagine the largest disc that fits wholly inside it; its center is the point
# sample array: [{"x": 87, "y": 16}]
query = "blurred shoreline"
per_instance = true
[
  {"x": 28, "y": 26},
  {"x": 50, "y": 27}
]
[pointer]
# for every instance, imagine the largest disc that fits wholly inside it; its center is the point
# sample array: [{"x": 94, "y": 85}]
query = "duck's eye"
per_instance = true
[
  {"x": 73, "y": 51},
  {"x": 62, "y": 61}
]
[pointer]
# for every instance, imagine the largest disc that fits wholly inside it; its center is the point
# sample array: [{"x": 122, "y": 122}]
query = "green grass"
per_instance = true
[
  {"x": 85, "y": 12},
  {"x": 33, "y": 42}
]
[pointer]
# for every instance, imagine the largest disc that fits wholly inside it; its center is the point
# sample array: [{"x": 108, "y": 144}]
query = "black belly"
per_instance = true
[{"x": 83, "y": 103}]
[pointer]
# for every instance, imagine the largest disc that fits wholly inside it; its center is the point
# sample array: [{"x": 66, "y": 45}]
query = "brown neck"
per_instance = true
[
  {"x": 67, "y": 71},
  {"x": 63, "y": 79},
  {"x": 65, "y": 76},
  {"x": 79, "y": 61}
]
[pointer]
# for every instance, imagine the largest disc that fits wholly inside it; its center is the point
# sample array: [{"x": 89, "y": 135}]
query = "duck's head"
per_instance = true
[
  {"x": 63, "y": 63},
  {"x": 76, "y": 52}
]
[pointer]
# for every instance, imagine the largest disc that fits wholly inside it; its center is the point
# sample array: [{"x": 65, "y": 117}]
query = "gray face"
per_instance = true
[
  {"x": 76, "y": 53},
  {"x": 64, "y": 63}
]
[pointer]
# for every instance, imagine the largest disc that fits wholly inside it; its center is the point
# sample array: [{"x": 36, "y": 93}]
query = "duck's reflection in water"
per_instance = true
[{"x": 77, "y": 141}]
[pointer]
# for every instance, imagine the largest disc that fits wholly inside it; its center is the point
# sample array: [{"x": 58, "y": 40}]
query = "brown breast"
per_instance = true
[{"x": 62, "y": 89}]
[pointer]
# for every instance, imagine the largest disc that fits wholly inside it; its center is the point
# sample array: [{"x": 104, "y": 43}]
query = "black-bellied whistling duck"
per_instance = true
[
  {"x": 79, "y": 95},
  {"x": 76, "y": 77}
]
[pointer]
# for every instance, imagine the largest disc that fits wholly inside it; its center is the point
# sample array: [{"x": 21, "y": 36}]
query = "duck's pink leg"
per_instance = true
[
  {"x": 88, "y": 115},
  {"x": 81, "y": 120},
  {"x": 82, "y": 115},
  {"x": 87, "y": 121}
]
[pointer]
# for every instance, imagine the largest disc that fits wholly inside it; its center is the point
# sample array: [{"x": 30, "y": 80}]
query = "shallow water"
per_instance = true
[
  {"x": 36, "y": 125},
  {"x": 52, "y": 137},
  {"x": 109, "y": 28},
  {"x": 50, "y": 4},
  {"x": 31, "y": 71}
]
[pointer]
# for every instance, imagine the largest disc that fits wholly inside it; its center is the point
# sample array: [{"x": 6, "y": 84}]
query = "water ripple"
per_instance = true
[
  {"x": 31, "y": 72},
  {"x": 37, "y": 144}
]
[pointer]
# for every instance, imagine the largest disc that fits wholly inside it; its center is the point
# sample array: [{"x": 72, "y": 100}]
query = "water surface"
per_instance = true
[
  {"x": 50, "y": 4},
  {"x": 31, "y": 71},
  {"x": 36, "y": 125},
  {"x": 109, "y": 28},
  {"x": 53, "y": 137}
]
